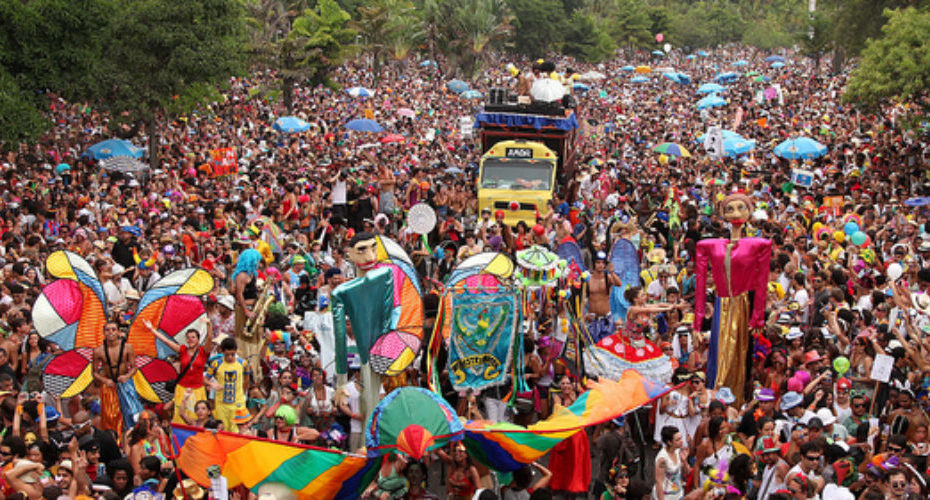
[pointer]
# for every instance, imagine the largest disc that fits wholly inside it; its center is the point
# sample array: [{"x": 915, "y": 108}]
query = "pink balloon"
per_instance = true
[{"x": 660, "y": 37}]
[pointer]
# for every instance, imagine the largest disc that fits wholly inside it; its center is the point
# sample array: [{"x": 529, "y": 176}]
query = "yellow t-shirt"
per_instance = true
[{"x": 232, "y": 377}]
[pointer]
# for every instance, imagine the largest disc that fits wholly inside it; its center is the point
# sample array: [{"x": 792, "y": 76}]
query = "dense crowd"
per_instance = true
[{"x": 820, "y": 422}]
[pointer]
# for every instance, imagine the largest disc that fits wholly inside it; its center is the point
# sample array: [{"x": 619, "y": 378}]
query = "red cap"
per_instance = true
[
  {"x": 499, "y": 214},
  {"x": 539, "y": 229},
  {"x": 843, "y": 383}
]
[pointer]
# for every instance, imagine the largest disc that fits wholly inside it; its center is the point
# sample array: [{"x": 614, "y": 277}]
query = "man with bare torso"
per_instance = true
[
  {"x": 113, "y": 368},
  {"x": 600, "y": 321}
]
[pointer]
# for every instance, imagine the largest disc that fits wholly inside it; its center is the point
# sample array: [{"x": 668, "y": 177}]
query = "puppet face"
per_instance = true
[
  {"x": 736, "y": 212},
  {"x": 364, "y": 254}
]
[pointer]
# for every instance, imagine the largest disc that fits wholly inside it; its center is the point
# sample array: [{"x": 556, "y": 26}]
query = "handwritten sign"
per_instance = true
[
  {"x": 223, "y": 161},
  {"x": 881, "y": 368}
]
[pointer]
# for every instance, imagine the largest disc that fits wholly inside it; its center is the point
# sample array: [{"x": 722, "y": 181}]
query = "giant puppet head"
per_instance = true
[
  {"x": 736, "y": 209},
  {"x": 363, "y": 252}
]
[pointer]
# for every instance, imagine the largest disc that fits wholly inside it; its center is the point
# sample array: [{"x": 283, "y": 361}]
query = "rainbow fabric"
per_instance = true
[
  {"x": 508, "y": 447},
  {"x": 314, "y": 473},
  {"x": 319, "y": 473}
]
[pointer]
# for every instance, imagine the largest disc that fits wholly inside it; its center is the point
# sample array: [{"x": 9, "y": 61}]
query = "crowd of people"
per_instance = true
[{"x": 822, "y": 422}]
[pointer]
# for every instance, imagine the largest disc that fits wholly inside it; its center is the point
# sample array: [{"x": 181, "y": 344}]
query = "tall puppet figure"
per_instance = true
[
  {"x": 384, "y": 309},
  {"x": 740, "y": 268}
]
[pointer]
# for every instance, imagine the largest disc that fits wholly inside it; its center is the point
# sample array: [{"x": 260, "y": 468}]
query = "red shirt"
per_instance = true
[{"x": 193, "y": 378}]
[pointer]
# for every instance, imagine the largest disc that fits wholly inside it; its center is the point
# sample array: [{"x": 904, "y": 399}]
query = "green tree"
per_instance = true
[
  {"x": 48, "y": 45},
  {"x": 817, "y": 38},
  {"x": 171, "y": 51},
  {"x": 585, "y": 40},
  {"x": 895, "y": 65},
  {"x": 388, "y": 28},
  {"x": 537, "y": 26},
  {"x": 324, "y": 39},
  {"x": 630, "y": 24},
  {"x": 475, "y": 28}
]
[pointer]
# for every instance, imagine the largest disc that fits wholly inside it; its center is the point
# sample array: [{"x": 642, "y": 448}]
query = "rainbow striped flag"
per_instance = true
[{"x": 313, "y": 472}]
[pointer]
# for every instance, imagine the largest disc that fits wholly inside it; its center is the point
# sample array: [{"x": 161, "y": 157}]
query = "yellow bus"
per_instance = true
[{"x": 517, "y": 177}]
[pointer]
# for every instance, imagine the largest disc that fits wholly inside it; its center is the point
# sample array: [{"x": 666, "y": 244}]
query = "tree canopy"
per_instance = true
[{"x": 897, "y": 64}]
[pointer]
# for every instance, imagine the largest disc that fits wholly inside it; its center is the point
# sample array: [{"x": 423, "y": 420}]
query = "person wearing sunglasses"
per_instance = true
[
  {"x": 809, "y": 466},
  {"x": 859, "y": 405},
  {"x": 896, "y": 481}
]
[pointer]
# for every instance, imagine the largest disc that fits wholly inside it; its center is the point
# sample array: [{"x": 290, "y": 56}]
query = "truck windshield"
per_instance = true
[{"x": 512, "y": 174}]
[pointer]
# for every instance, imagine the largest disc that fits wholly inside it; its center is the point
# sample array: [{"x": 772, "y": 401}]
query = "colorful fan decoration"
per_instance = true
[
  {"x": 313, "y": 473},
  {"x": 173, "y": 305},
  {"x": 539, "y": 266},
  {"x": 71, "y": 312},
  {"x": 412, "y": 420}
]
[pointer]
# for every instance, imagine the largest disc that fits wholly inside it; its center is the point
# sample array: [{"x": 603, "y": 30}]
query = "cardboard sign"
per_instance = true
[
  {"x": 801, "y": 177},
  {"x": 223, "y": 161},
  {"x": 713, "y": 143},
  {"x": 881, "y": 368}
]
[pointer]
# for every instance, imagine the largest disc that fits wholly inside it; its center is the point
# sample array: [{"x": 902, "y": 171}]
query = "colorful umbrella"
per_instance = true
[
  {"x": 702, "y": 53},
  {"x": 777, "y": 65},
  {"x": 627, "y": 68},
  {"x": 406, "y": 112},
  {"x": 411, "y": 420},
  {"x": 800, "y": 148},
  {"x": 774, "y": 58},
  {"x": 671, "y": 149},
  {"x": 639, "y": 79},
  {"x": 471, "y": 94},
  {"x": 741, "y": 63},
  {"x": 642, "y": 69},
  {"x": 658, "y": 53},
  {"x": 392, "y": 138},
  {"x": 728, "y": 76}
]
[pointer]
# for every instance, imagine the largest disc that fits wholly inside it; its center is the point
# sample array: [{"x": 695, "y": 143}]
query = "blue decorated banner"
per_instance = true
[{"x": 481, "y": 340}]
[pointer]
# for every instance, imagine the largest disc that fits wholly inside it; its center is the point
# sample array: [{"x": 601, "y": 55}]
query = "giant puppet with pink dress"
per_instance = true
[{"x": 740, "y": 270}]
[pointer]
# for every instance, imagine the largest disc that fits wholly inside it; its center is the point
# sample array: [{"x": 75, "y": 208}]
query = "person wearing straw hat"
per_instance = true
[{"x": 188, "y": 489}]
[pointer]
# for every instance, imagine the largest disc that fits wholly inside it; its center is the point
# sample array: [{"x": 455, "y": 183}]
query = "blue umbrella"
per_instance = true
[
  {"x": 453, "y": 170},
  {"x": 710, "y": 88},
  {"x": 778, "y": 64},
  {"x": 702, "y": 53},
  {"x": 112, "y": 147},
  {"x": 658, "y": 53},
  {"x": 711, "y": 101},
  {"x": 427, "y": 63},
  {"x": 290, "y": 125},
  {"x": 457, "y": 86},
  {"x": 729, "y": 76},
  {"x": 364, "y": 125},
  {"x": 471, "y": 94},
  {"x": 741, "y": 62},
  {"x": 627, "y": 68},
  {"x": 360, "y": 92},
  {"x": 679, "y": 78},
  {"x": 775, "y": 58},
  {"x": 736, "y": 146},
  {"x": 62, "y": 167},
  {"x": 639, "y": 79},
  {"x": 800, "y": 148},
  {"x": 580, "y": 86},
  {"x": 690, "y": 56},
  {"x": 917, "y": 202},
  {"x": 727, "y": 134}
]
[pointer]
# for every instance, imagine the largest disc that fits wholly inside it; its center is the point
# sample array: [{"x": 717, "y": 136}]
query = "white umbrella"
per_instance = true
[
  {"x": 546, "y": 90},
  {"x": 593, "y": 75},
  {"x": 123, "y": 164}
]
